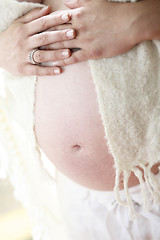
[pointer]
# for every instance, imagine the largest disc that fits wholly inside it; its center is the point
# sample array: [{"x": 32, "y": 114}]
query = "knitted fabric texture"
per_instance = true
[{"x": 129, "y": 98}]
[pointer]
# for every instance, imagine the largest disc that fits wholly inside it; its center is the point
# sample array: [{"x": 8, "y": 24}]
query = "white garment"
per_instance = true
[
  {"x": 96, "y": 215},
  {"x": 123, "y": 89}
]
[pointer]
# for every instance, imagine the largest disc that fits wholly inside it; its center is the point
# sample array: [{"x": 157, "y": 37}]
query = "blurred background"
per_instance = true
[{"x": 14, "y": 222}]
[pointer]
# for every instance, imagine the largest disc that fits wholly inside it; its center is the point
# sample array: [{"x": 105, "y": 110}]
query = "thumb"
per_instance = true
[{"x": 74, "y": 3}]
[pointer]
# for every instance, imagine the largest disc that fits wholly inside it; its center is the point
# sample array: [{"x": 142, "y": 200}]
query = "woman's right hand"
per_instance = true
[{"x": 29, "y": 32}]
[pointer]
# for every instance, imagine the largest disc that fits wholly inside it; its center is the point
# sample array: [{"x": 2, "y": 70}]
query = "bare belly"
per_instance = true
[{"x": 69, "y": 128}]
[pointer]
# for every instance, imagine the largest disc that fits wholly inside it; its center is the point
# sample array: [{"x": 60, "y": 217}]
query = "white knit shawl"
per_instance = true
[{"x": 129, "y": 98}]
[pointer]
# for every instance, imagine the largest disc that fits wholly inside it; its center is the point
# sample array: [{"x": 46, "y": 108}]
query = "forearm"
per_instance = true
[{"x": 146, "y": 20}]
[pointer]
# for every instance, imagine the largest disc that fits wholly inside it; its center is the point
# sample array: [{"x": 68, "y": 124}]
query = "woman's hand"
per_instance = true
[
  {"x": 26, "y": 33},
  {"x": 106, "y": 29}
]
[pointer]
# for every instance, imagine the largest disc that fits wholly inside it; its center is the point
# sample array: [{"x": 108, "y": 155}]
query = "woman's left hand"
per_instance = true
[{"x": 106, "y": 29}]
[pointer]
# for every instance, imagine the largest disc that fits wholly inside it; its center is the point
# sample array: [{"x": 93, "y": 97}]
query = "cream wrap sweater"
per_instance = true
[{"x": 128, "y": 92}]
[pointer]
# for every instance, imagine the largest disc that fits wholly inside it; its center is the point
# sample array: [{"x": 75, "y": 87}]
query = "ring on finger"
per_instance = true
[{"x": 31, "y": 56}]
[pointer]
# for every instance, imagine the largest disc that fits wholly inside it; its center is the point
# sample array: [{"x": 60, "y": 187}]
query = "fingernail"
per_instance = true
[
  {"x": 70, "y": 34},
  {"x": 65, "y": 17},
  {"x": 65, "y": 53},
  {"x": 57, "y": 71},
  {"x": 45, "y": 8}
]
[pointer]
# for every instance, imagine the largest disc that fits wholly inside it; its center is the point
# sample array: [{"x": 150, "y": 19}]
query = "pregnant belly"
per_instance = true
[{"x": 69, "y": 128}]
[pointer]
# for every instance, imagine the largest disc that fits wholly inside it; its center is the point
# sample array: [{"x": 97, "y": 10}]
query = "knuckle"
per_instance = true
[
  {"x": 20, "y": 30},
  {"x": 39, "y": 56},
  {"x": 74, "y": 59},
  {"x": 28, "y": 43},
  {"x": 82, "y": 28},
  {"x": 61, "y": 35},
  {"x": 54, "y": 56},
  {"x": 22, "y": 44},
  {"x": 42, "y": 38},
  {"x": 19, "y": 45},
  {"x": 78, "y": 14},
  {"x": 57, "y": 55},
  {"x": 26, "y": 29},
  {"x": 43, "y": 23},
  {"x": 49, "y": 72}
]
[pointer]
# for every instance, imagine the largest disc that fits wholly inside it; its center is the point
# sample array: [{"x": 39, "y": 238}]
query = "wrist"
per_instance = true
[
  {"x": 137, "y": 32},
  {"x": 142, "y": 24}
]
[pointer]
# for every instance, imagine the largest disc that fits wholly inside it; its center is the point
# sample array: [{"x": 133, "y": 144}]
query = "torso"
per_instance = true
[{"x": 69, "y": 128}]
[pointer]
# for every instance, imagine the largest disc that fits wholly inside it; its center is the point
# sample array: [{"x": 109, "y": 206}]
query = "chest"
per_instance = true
[{"x": 55, "y": 5}]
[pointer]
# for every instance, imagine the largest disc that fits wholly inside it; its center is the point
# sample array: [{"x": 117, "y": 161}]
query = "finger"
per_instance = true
[
  {"x": 74, "y": 43},
  {"x": 45, "y": 22},
  {"x": 76, "y": 57},
  {"x": 35, "y": 14},
  {"x": 60, "y": 27},
  {"x": 34, "y": 70},
  {"x": 46, "y": 38},
  {"x": 75, "y": 3},
  {"x": 47, "y": 56}
]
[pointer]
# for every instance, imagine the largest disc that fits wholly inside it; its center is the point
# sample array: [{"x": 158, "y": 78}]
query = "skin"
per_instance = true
[
  {"x": 73, "y": 143},
  {"x": 69, "y": 128},
  {"x": 28, "y": 32},
  {"x": 134, "y": 27},
  {"x": 110, "y": 36}
]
